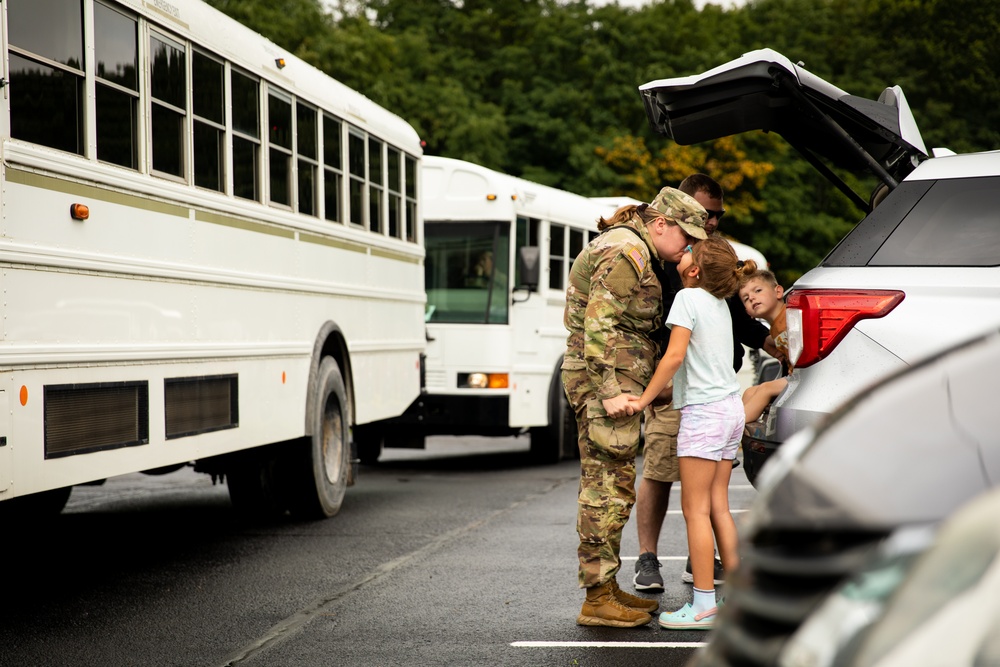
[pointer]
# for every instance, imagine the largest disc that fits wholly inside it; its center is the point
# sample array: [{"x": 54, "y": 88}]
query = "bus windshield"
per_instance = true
[{"x": 466, "y": 271}]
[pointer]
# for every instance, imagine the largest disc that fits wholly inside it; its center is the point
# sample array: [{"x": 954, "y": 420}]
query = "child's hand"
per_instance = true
[{"x": 635, "y": 405}]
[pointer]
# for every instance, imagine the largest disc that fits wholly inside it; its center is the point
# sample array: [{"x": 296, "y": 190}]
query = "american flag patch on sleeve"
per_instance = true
[{"x": 635, "y": 256}]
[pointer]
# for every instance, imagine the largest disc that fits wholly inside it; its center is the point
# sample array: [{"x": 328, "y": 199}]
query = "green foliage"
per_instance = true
[{"x": 547, "y": 89}]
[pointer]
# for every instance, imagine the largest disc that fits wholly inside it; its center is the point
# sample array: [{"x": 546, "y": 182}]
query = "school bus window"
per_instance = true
[
  {"x": 575, "y": 243},
  {"x": 279, "y": 123},
  {"x": 168, "y": 77},
  {"x": 332, "y": 169},
  {"x": 52, "y": 29},
  {"x": 356, "y": 160},
  {"x": 525, "y": 234},
  {"x": 246, "y": 135},
  {"x": 45, "y": 68},
  {"x": 117, "y": 87},
  {"x": 207, "y": 82},
  {"x": 411, "y": 199},
  {"x": 394, "y": 187},
  {"x": 305, "y": 144},
  {"x": 557, "y": 259},
  {"x": 375, "y": 188}
]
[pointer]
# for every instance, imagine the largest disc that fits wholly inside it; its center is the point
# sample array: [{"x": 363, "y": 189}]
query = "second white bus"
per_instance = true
[{"x": 498, "y": 254}]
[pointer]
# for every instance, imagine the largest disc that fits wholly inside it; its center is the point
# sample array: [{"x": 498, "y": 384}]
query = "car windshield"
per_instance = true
[{"x": 466, "y": 271}]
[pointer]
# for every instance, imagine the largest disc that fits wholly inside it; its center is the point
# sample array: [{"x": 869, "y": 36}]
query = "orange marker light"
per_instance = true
[
  {"x": 283, "y": 377},
  {"x": 491, "y": 197},
  {"x": 79, "y": 211},
  {"x": 24, "y": 395}
]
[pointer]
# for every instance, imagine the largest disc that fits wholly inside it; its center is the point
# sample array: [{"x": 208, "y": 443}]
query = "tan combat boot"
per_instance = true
[
  {"x": 633, "y": 601},
  {"x": 602, "y": 608}
]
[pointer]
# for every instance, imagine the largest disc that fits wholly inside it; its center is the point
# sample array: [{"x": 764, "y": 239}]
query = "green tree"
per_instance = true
[{"x": 547, "y": 89}]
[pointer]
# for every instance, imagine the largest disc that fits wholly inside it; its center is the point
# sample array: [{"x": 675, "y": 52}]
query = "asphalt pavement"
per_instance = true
[{"x": 436, "y": 558}]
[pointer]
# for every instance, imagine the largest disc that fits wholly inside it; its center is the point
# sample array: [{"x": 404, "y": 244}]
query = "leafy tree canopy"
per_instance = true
[{"x": 547, "y": 89}]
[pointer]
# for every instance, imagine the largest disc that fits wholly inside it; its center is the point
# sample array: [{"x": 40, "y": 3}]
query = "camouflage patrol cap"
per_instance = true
[{"x": 683, "y": 209}]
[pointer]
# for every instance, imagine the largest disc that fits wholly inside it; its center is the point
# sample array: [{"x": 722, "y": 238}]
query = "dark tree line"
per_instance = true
[{"x": 547, "y": 90}]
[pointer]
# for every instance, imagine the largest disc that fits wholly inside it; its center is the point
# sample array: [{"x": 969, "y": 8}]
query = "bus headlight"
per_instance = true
[{"x": 482, "y": 380}]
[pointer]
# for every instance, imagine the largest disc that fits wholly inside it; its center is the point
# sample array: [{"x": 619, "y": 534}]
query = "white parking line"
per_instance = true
[{"x": 610, "y": 644}]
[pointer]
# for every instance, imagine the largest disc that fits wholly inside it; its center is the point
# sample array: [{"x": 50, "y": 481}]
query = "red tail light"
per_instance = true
[{"x": 819, "y": 319}]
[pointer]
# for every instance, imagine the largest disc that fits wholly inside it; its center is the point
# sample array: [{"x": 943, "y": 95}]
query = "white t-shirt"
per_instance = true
[{"x": 706, "y": 374}]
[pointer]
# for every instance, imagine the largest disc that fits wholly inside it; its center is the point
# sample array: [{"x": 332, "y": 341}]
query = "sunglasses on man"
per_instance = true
[{"x": 716, "y": 214}]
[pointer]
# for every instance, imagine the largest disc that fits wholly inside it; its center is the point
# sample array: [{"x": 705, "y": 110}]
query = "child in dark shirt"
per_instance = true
[{"x": 761, "y": 295}]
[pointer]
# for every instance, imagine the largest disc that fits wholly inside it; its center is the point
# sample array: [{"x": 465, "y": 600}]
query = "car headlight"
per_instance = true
[
  {"x": 949, "y": 595},
  {"x": 855, "y": 605}
]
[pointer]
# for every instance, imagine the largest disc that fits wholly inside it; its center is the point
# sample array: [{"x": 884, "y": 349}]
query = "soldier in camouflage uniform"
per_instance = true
[{"x": 613, "y": 304}]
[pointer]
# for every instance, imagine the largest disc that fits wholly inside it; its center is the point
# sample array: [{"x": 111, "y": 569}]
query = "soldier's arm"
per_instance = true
[{"x": 614, "y": 283}]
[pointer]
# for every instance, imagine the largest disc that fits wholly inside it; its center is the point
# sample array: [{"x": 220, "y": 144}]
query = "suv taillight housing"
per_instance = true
[{"x": 818, "y": 320}]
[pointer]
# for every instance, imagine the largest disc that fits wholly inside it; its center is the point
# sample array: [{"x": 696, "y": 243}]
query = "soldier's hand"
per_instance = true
[{"x": 618, "y": 406}]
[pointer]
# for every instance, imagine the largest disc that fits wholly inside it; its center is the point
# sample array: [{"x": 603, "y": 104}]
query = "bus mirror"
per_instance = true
[{"x": 527, "y": 267}]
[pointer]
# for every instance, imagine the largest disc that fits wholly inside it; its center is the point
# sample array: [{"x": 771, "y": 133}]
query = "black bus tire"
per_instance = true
[{"x": 320, "y": 469}]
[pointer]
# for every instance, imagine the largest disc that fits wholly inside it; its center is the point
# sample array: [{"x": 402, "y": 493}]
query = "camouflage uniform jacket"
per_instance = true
[{"x": 613, "y": 303}]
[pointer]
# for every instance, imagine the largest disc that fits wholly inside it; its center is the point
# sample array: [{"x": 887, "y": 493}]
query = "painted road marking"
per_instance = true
[{"x": 609, "y": 644}]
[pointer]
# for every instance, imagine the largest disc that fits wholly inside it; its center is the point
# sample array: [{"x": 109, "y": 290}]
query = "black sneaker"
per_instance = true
[
  {"x": 647, "y": 573},
  {"x": 688, "y": 578}
]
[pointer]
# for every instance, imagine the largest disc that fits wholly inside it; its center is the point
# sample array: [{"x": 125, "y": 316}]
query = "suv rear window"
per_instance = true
[
  {"x": 951, "y": 222},
  {"x": 957, "y": 223}
]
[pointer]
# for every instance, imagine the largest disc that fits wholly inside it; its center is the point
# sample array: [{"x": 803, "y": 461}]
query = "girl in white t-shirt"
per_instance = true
[{"x": 699, "y": 359}]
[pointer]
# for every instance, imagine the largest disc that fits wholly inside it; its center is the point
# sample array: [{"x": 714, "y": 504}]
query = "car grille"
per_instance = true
[{"x": 782, "y": 578}]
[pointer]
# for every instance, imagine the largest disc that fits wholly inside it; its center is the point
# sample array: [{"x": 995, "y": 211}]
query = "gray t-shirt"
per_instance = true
[{"x": 706, "y": 374}]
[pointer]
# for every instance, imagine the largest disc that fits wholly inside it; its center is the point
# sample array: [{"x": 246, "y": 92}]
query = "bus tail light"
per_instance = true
[
  {"x": 79, "y": 211},
  {"x": 818, "y": 320}
]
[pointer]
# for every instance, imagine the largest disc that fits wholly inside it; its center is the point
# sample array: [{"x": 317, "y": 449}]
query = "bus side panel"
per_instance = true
[
  {"x": 539, "y": 344},
  {"x": 136, "y": 295},
  {"x": 271, "y": 393}
]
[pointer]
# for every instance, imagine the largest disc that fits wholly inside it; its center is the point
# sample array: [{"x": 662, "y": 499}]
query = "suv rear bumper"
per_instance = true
[
  {"x": 814, "y": 392},
  {"x": 756, "y": 450}
]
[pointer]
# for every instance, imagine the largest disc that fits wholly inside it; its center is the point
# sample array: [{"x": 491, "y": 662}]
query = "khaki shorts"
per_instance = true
[{"x": 659, "y": 459}]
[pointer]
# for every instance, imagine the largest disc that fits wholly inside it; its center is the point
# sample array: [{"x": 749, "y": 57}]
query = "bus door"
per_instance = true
[
  {"x": 531, "y": 370},
  {"x": 5, "y": 456}
]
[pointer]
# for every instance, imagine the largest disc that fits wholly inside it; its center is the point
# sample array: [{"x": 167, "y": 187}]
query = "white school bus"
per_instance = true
[
  {"x": 210, "y": 255},
  {"x": 498, "y": 254}
]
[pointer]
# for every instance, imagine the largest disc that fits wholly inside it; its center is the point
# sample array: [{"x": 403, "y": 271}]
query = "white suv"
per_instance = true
[{"x": 918, "y": 274}]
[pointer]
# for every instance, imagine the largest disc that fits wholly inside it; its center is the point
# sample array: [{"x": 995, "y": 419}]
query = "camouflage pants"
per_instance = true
[{"x": 608, "y": 448}]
